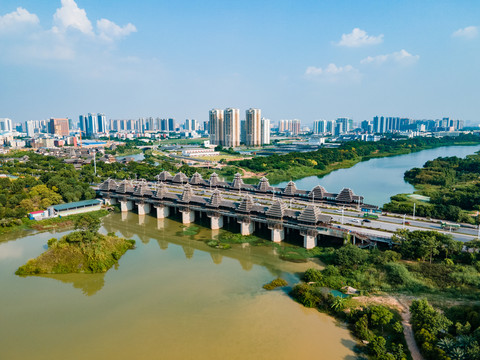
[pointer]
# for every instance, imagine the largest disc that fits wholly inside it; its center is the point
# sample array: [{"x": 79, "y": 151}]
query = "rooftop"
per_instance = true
[{"x": 76, "y": 205}]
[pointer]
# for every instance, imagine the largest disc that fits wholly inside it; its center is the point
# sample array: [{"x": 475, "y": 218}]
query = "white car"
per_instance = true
[
  {"x": 356, "y": 221},
  {"x": 338, "y": 211}
]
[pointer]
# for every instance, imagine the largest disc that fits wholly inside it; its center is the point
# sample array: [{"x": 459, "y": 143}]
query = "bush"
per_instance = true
[
  {"x": 275, "y": 283},
  {"x": 313, "y": 275}
]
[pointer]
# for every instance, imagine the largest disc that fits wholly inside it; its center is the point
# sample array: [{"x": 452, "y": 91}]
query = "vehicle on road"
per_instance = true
[
  {"x": 339, "y": 211},
  {"x": 366, "y": 221},
  {"x": 407, "y": 222},
  {"x": 370, "y": 216},
  {"x": 448, "y": 226},
  {"x": 356, "y": 221}
]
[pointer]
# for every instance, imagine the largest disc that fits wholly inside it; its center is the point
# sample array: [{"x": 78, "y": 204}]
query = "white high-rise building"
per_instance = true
[
  {"x": 253, "y": 126},
  {"x": 30, "y": 128},
  {"x": 6, "y": 124},
  {"x": 265, "y": 137},
  {"x": 215, "y": 126},
  {"x": 231, "y": 125}
]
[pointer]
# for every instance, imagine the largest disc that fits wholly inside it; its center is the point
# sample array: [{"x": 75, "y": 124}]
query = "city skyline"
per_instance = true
[{"x": 314, "y": 61}]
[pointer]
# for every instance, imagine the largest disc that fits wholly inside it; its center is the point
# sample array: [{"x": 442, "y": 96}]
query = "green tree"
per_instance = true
[
  {"x": 87, "y": 223},
  {"x": 380, "y": 316}
]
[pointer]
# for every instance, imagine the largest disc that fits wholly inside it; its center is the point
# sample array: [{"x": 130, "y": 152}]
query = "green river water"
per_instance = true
[{"x": 172, "y": 297}]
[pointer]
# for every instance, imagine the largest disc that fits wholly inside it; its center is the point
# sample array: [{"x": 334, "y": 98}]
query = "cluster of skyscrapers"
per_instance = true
[
  {"x": 226, "y": 128},
  {"x": 382, "y": 124},
  {"x": 291, "y": 126},
  {"x": 334, "y": 127}
]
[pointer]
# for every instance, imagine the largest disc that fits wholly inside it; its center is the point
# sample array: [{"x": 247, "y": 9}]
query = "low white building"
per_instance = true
[{"x": 200, "y": 152}]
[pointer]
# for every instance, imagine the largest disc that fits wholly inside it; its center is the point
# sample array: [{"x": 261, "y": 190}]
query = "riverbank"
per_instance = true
[
  {"x": 57, "y": 223},
  {"x": 295, "y": 166},
  {"x": 449, "y": 189}
]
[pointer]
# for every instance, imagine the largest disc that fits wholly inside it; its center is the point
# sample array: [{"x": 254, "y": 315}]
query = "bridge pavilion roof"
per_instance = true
[
  {"x": 125, "y": 186},
  {"x": 277, "y": 210},
  {"x": 142, "y": 189},
  {"x": 197, "y": 179},
  {"x": 108, "y": 185},
  {"x": 164, "y": 176},
  {"x": 312, "y": 215},
  {"x": 180, "y": 178},
  {"x": 347, "y": 196},
  {"x": 263, "y": 185},
  {"x": 290, "y": 189},
  {"x": 319, "y": 193}
]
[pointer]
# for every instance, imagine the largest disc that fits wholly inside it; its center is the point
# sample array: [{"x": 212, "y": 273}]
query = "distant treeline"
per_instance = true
[{"x": 298, "y": 164}]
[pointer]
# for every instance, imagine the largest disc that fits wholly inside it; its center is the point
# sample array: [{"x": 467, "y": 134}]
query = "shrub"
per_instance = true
[
  {"x": 275, "y": 283},
  {"x": 313, "y": 275}
]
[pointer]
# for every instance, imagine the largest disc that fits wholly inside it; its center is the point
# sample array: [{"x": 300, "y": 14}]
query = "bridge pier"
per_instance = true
[
  {"x": 162, "y": 211},
  {"x": 126, "y": 205},
  {"x": 143, "y": 208},
  {"x": 110, "y": 201},
  {"x": 309, "y": 238},
  {"x": 188, "y": 216},
  {"x": 246, "y": 228},
  {"x": 216, "y": 222},
  {"x": 278, "y": 235}
]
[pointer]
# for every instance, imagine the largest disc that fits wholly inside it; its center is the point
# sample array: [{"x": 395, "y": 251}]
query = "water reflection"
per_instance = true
[{"x": 90, "y": 284}]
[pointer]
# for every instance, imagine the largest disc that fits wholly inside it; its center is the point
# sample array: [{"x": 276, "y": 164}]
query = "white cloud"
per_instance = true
[
  {"x": 332, "y": 72},
  {"x": 17, "y": 18},
  {"x": 358, "y": 38},
  {"x": 402, "y": 57},
  {"x": 71, "y": 16},
  {"x": 108, "y": 30},
  {"x": 468, "y": 32}
]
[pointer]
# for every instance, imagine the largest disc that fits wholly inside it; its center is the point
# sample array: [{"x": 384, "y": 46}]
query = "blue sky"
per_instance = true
[{"x": 293, "y": 59}]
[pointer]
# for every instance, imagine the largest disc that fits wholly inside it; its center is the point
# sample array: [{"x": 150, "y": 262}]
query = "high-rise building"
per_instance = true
[
  {"x": 319, "y": 126},
  {"x": 59, "y": 127},
  {"x": 253, "y": 126},
  {"x": 6, "y": 124},
  {"x": 215, "y": 126},
  {"x": 171, "y": 124},
  {"x": 231, "y": 128},
  {"x": 265, "y": 136},
  {"x": 101, "y": 123},
  {"x": 30, "y": 128}
]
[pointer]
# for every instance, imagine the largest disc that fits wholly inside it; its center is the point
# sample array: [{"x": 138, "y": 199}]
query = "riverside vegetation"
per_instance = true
[
  {"x": 453, "y": 185},
  {"x": 422, "y": 264},
  {"x": 84, "y": 250},
  {"x": 296, "y": 165}
]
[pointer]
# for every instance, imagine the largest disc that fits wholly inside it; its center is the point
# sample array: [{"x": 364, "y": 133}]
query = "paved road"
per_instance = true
[{"x": 351, "y": 219}]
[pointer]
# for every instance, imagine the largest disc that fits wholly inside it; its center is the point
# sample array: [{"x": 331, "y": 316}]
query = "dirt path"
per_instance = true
[
  {"x": 402, "y": 306},
  {"x": 408, "y": 331}
]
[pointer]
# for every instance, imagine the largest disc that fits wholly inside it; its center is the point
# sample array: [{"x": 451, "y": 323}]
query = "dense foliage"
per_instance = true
[
  {"x": 84, "y": 250},
  {"x": 453, "y": 185},
  {"x": 454, "y": 334}
]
